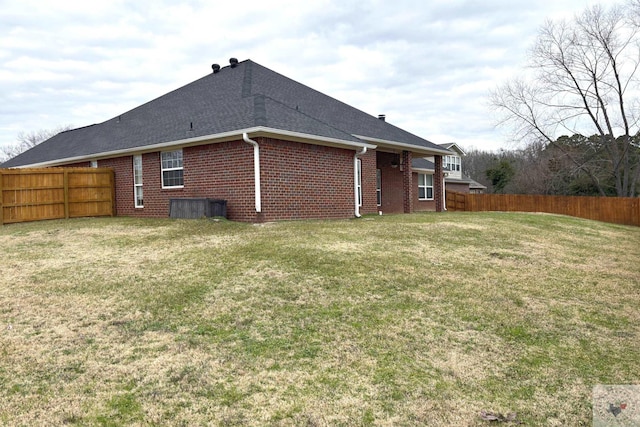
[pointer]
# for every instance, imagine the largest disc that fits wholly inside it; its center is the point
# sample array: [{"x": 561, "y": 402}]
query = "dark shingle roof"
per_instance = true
[
  {"x": 421, "y": 163},
  {"x": 234, "y": 99}
]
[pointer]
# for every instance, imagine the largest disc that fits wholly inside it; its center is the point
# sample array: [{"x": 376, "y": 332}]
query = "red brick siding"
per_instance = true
[
  {"x": 220, "y": 171},
  {"x": 438, "y": 190},
  {"x": 392, "y": 188},
  {"x": 304, "y": 181},
  {"x": 369, "y": 198},
  {"x": 457, "y": 187},
  {"x": 298, "y": 180},
  {"x": 407, "y": 182},
  {"x": 421, "y": 205},
  {"x": 123, "y": 171}
]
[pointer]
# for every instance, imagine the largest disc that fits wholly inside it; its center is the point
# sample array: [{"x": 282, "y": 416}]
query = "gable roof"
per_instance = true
[
  {"x": 246, "y": 97},
  {"x": 452, "y": 146}
]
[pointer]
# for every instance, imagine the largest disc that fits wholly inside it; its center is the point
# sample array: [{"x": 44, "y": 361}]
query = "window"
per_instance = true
[
  {"x": 425, "y": 187},
  {"x": 379, "y": 187},
  {"x": 172, "y": 173},
  {"x": 359, "y": 183},
  {"x": 94, "y": 163},
  {"x": 137, "y": 181},
  {"x": 451, "y": 162}
]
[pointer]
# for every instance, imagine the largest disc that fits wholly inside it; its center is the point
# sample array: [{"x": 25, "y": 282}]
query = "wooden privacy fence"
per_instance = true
[
  {"x": 618, "y": 210},
  {"x": 55, "y": 193}
]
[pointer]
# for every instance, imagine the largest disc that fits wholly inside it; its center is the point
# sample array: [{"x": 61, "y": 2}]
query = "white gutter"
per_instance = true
[
  {"x": 444, "y": 197},
  {"x": 409, "y": 147},
  {"x": 205, "y": 139},
  {"x": 256, "y": 169},
  {"x": 355, "y": 180}
]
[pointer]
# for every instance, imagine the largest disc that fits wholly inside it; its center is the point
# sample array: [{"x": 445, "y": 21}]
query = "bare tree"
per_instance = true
[
  {"x": 27, "y": 140},
  {"x": 584, "y": 82}
]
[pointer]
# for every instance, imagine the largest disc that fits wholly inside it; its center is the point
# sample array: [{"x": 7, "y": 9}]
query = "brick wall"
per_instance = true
[
  {"x": 407, "y": 182},
  {"x": 457, "y": 187},
  {"x": 369, "y": 198},
  {"x": 392, "y": 195},
  {"x": 305, "y": 181},
  {"x": 123, "y": 171},
  {"x": 298, "y": 180},
  {"x": 438, "y": 190},
  {"x": 421, "y": 205}
]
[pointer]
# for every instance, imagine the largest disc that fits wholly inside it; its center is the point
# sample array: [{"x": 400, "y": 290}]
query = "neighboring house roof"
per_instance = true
[
  {"x": 475, "y": 185},
  {"x": 421, "y": 164},
  {"x": 424, "y": 165},
  {"x": 246, "y": 97},
  {"x": 452, "y": 146}
]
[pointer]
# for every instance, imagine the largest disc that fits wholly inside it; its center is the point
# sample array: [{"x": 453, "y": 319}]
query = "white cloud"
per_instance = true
[{"x": 427, "y": 65}]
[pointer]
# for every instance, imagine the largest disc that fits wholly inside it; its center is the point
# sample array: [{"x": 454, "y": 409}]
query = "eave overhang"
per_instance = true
[{"x": 257, "y": 131}]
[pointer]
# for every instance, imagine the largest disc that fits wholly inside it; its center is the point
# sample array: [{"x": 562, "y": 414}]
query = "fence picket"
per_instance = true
[
  {"x": 55, "y": 193},
  {"x": 618, "y": 210}
]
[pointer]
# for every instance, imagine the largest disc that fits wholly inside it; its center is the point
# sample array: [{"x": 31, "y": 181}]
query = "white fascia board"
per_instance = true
[
  {"x": 422, "y": 151},
  {"x": 458, "y": 148},
  {"x": 321, "y": 140},
  {"x": 206, "y": 139}
]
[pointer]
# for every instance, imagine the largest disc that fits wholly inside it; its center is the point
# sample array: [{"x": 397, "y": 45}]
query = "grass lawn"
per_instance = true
[{"x": 422, "y": 319}]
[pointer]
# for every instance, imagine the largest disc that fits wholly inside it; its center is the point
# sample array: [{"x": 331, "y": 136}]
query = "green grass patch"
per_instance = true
[{"x": 422, "y": 319}]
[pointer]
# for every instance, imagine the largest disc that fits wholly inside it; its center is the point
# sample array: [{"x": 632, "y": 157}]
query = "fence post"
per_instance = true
[{"x": 66, "y": 194}]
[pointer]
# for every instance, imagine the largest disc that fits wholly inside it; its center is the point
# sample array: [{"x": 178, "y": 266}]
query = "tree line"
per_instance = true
[
  {"x": 572, "y": 165},
  {"x": 581, "y": 79}
]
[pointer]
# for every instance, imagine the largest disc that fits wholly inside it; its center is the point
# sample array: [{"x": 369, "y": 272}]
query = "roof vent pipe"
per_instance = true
[
  {"x": 382, "y": 117},
  {"x": 233, "y": 62},
  {"x": 216, "y": 68}
]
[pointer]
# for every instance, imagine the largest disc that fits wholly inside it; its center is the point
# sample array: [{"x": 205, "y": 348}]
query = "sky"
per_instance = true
[{"x": 429, "y": 65}]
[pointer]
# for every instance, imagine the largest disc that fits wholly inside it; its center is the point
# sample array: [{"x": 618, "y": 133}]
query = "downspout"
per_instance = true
[
  {"x": 355, "y": 180},
  {"x": 444, "y": 191},
  {"x": 256, "y": 169}
]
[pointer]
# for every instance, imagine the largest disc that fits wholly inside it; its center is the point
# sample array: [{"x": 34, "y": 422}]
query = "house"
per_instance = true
[
  {"x": 271, "y": 147},
  {"x": 454, "y": 179}
]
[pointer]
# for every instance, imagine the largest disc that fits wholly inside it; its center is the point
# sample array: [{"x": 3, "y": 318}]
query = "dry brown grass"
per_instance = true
[{"x": 407, "y": 320}]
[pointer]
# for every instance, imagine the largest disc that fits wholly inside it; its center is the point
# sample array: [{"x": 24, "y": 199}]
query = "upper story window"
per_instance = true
[
  {"x": 451, "y": 162},
  {"x": 172, "y": 171}
]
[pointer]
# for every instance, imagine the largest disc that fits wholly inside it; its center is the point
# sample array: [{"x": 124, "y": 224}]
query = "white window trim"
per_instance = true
[
  {"x": 162, "y": 171},
  {"x": 426, "y": 187},
  {"x": 453, "y": 163},
  {"x": 379, "y": 187},
  {"x": 94, "y": 163},
  {"x": 137, "y": 185}
]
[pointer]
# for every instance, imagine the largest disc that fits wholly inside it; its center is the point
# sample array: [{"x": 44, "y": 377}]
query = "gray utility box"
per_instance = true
[{"x": 197, "y": 208}]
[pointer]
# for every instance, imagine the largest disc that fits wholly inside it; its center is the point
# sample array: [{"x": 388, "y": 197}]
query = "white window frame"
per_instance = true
[
  {"x": 452, "y": 162},
  {"x": 94, "y": 163},
  {"x": 425, "y": 186},
  {"x": 138, "y": 198},
  {"x": 359, "y": 183},
  {"x": 379, "y": 187},
  {"x": 171, "y": 167}
]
